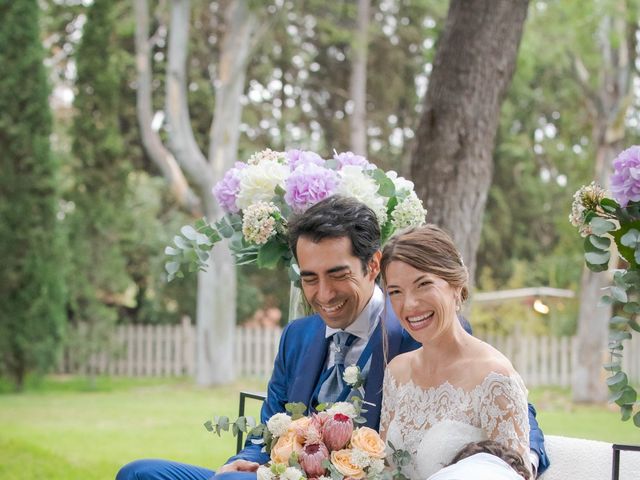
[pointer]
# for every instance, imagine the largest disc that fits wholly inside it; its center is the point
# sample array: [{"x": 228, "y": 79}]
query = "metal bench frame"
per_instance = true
[{"x": 243, "y": 398}]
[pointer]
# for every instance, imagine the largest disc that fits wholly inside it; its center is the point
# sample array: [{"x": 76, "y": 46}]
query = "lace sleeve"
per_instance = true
[
  {"x": 504, "y": 412},
  {"x": 388, "y": 403}
]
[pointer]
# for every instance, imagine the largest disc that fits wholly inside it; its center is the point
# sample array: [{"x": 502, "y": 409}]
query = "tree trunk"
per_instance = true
[
  {"x": 217, "y": 286},
  {"x": 358, "y": 80},
  {"x": 608, "y": 106},
  {"x": 452, "y": 162},
  {"x": 151, "y": 141}
]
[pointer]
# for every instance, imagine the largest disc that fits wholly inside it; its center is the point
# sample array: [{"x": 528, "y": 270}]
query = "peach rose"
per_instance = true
[
  {"x": 368, "y": 440},
  {"x": 284, "y": 447},
  {"x": 341, "y": 459},
  {"x": 300, "y": 427}
]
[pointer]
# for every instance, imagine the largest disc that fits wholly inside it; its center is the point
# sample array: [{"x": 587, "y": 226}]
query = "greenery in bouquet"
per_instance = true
[
  {"x": 259, "y": 196},
  {"x": 324, "y": 445},
  {"x": 610, "y": 226}
]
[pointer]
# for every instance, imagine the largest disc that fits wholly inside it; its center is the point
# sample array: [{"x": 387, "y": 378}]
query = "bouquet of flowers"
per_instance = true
[
  {"x": 601, "y": 219},
  {"x": 257, "y": 198},
  {"x": 325, "y": 445}
]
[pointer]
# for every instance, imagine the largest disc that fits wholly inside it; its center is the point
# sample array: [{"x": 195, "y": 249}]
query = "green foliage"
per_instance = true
[
  {"x": 32, "y": 296},
  {"x": 99, "y": 283},
  {"x": 606, "y": 220}
]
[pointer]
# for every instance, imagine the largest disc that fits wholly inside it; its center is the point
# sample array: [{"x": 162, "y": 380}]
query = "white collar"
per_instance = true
[{"x": 363, "y": 326}]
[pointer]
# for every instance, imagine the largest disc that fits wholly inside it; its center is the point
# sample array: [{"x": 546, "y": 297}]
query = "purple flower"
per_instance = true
[
  {"x": 309, "y": 184},
  {"x": 226, "y": 190},
  {"x": 303, "y": 157},
  {"x": 625, "y": 181},
  {"x": 350, "y": 158}
]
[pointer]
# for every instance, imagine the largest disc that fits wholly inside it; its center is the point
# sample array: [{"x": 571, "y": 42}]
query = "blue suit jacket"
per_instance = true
[{"x": 301, "y": 358}]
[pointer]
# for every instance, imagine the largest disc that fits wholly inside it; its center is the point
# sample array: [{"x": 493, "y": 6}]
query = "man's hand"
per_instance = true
[{"x": 238, "y": 466}]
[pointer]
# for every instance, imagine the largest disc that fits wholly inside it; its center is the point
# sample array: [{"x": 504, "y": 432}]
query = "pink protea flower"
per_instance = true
[
  {"x": 337, "y": 431},
  {"x": 311, "y": 459}
]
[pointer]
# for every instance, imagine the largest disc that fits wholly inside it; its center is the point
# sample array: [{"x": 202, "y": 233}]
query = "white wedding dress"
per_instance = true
[{"x": 433, "y": 424}]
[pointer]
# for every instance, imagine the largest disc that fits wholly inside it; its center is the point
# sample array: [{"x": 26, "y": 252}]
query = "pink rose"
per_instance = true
[
  {"x": 312, "y": 457},
  {"x": 337, "y": 431}
]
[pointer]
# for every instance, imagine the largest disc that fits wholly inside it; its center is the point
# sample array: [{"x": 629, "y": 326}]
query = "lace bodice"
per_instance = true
[{"x": 433, "y": 424}]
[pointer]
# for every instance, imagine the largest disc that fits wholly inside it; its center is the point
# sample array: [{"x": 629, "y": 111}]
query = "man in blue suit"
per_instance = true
[{"x": 337, "y": 245}]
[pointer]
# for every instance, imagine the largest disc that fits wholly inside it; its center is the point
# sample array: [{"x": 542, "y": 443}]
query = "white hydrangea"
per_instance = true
[
  {"x": 355, "y": 183},
  {"x": 345, "y": 408},
  {"x": 265, "y": 473},
  {"x": 258, "y": 182},
  {"x": 408, "y": 213},
  {"x": 291, "y": 473},
  {"x": 360, "y": 458},
  {"x": 258, "y": 222},
  {"x": 351, "y": 374},
  {"x": 376, "y": 466},
  {"x": 401, "y": 183},
  {"x": 322, "y": 477},
  {"x": 278, "y": 424},
  {"x": 267, "y": 155}
]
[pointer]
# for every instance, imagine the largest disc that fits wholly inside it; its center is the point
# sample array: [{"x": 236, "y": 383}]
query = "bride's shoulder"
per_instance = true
[
  {"x": 399, "y": 368},
  {"x": 486, "y": 360}
]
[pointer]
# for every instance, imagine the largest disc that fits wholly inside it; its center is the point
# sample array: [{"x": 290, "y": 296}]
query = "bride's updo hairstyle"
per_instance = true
[{"x": 431, "y": 250}]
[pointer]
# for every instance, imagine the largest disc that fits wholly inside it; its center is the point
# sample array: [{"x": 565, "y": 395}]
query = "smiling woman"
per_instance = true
[{"x": 466, "y": 389}]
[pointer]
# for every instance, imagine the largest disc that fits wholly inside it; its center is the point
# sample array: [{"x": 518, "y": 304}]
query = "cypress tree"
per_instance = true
[
  {"x": 32, "y": 296},
  {"x": 99, "y": 223}
]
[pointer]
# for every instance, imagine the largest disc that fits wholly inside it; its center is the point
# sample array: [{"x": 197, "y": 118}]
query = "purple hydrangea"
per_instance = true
[
  {"x": 303, "y": 157},
  {"x": 625, "y": 181},
  {"x": 350, "y": 158},
  {"x": 226, "y": 190},
  {"x": 309, "y": 184}
]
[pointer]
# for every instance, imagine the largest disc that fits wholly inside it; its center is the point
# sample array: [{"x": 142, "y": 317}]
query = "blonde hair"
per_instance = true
[{"x": 431, "y": 250}]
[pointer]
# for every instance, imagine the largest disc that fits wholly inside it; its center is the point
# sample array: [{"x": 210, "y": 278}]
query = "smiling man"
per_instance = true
[{"x": 337, "y": 246}]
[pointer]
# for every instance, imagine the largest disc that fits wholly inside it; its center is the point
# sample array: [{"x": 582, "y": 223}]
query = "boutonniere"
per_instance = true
[{"x": 353, "y": 377}]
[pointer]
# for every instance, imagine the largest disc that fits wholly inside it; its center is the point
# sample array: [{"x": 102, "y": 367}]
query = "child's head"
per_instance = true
[{"x": 510, "y": 456}]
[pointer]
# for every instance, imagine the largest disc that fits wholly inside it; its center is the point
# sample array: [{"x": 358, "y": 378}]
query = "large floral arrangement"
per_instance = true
[
  {"x": 606, "y": 221},
  {"x": 326, "y": 445},
  {"x": 259, "y": 196}
]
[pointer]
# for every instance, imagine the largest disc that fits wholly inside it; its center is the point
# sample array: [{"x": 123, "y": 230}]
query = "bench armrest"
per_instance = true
[{"x": 243, "y": 397}]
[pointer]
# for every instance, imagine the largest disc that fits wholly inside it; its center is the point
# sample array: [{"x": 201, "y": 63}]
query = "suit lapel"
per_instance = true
[{"x": 312, "y": 358}]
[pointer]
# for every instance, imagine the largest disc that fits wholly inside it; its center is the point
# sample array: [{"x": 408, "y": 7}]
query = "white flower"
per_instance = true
[
  {"x": 401, "y": 183},
  {"x": 265, "y": 473},
  {"x": 355, "y": 183},
  {"x": 259, "y": 222},
  {"x": 258, "y": 182},
  {"x": 291, "y": 473},
  {"x": 267, "y": 155},
  {"x": 351, "y": 374},
  {"x": 376, "y": 466},
  {"x": 345, "y": 408},
  {"x": 278, "y": 424},
  {"x": 408, "y": 213},
  {"x": 322, "y": 477},
  {"x": 359, "y": 458}
]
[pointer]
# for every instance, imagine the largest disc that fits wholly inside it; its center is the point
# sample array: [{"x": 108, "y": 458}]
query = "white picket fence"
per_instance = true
[{"x": 169, "y": 350}]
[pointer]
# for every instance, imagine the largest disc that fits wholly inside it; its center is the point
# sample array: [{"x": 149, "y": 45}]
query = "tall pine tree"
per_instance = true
[
  {"x": 99, "y": 224},
  {"x": 32, "y": 297}
]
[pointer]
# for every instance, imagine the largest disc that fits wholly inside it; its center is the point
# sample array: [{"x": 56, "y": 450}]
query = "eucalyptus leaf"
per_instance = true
[
  {"x": 635, "y": 325},
  {"x": 605, "y": 300},
  {"x": 172, "y": 267},
  {"x": 619, "y": 336},
  {"x": 189, "y": 232},
  {"x": 600, "y": 226},
  {"x": 629, "y": 395},
  {"x": 632, "y": 307},
  {"x": 612, "y": 367},
  {"x": 618, "y": 320},
  {"x": 631, "y": 239},
  {"x": 208, "y": 425},
  {"x": 619, "y": 294},
  {"x": 601, "y": 243},
  {"x": 171, "y": 251},
  {"x": 625, "y": 412},
  {"x": 597, "y": 258},
  {"x": 636, "y": 419},
  {"x": 181, "y": 243},
  {"x": 617, "y": 381}
]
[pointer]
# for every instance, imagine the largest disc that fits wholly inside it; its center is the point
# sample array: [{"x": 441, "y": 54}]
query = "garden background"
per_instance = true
[{"x": 117, "y": 118}]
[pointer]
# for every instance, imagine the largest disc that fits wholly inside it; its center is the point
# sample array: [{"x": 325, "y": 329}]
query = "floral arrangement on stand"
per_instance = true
[
  {"x": 259, "y": 196},
  {"x": 326, "y": 445},
  {"x": 611, "y": 226}
]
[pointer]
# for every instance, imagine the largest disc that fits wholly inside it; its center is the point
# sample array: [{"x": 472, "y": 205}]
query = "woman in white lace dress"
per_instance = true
[{"x": 455, "y": 389}]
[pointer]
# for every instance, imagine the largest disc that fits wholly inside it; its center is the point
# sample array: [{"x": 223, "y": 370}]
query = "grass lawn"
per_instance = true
[{"x": 62, "y": 430}]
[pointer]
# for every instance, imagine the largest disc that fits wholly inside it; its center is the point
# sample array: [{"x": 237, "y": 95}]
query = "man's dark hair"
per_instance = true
[
  {"x": 509, "y": 455},
  {"x": 338, "y": 216}
]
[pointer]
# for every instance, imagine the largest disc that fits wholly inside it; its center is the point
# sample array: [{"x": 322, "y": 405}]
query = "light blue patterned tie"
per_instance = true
[{"x": 332, "y": 382}]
